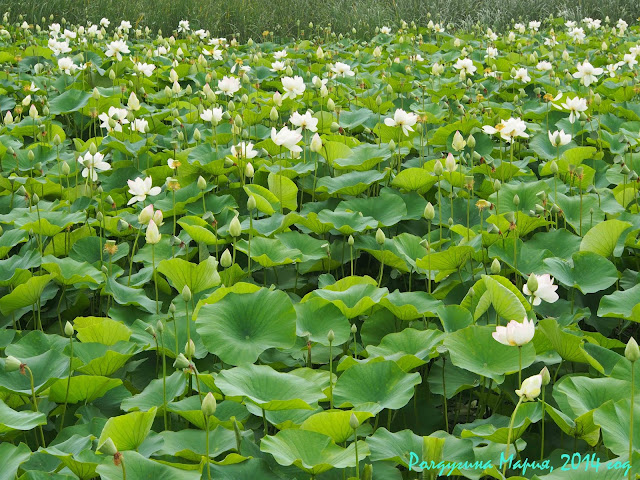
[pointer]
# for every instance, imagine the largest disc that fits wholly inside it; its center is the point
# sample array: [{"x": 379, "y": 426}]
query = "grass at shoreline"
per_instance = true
[{"x": 289, "y": 18}]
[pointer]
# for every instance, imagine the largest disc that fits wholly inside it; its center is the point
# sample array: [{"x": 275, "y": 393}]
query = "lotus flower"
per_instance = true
[
  {"x": 140, "y": 188},
  {"x": 515, "y": 334},
  {"x": 402, "y": 119},
  {"x": 546, "y": 290},
  {"x": 530, "y": 388}
]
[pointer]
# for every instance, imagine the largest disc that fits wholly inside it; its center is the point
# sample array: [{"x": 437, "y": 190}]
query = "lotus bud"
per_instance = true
[
  {"x": 190, "y": 349},
  {"x": 350, "y": 240},
  {"x": 95, "y": 94},
  {"x": 277, "y": 98},
  {"x": 331, "y": 336},
  {"x": 273, "y": 115},
  {"x": 334, "y": 127},
  {"x": 180, "y": 136},
  {"x": 238, "y": 121},
  {"x": 172, "y": 308},
  {"x": 209, "y": 404},
  {"x": 11, "y": 364},
  {"x": 389, "y": 88},
  {"x": 99, "y": 216},
  {"x": 450, "y": 163},
  {"x": 225, "y": 259},
  {"x": 150, "y": 330},
  {"x": 31, "y": 156},
  {"x": 429, "y": 212},
  {"x": 458, "y": 142},
  {"x": 495, "y": 266},
  {"x": 546, "y": 377},
  {"x": 202, "y": 183},
  {"x": 153, "y": 235},
  {"x": 186, "y": 293},
  {"x": 437, "y": 168},
  {"x": 235, "y": 229},
  {"x": 354, "y": 329},
  {"x": 516, "y": 200},
  {"x": 471, "y": 141},
  {"x": 380, "y": 237},
  {"x": 631, "y": 351},
  {"x": 378, "y": 100},
  {"x": 197, "y": 136},
  {"x": 122, "y": 225},
  {"x": 331, "y": 106},
  {"x": 181, "y": 362},
  {"x": 532, "y": 283},
  {"x": 597, "y": 99},
  {"x": 68, "y": 329},
  {"x": 8, "y": 118},
  {"x": 251, "y": 203},
  {"x": 112, "y": 75},
  {"x": 145, "y": 215},
  {"x": 316, "y": 143},
  {"x": 248, "y": 170},
  {"x": 353, "y": 421},
  {"x": 35, "y": 199},
  {"x": 231, "y": 106},
  {"x": 108, "y": 447}
]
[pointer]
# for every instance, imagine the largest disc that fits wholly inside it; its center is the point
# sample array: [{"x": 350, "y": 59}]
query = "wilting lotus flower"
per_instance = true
[
  {"x": 559, "y": 138},
  {"x": 515, "y": 334},
  {"x": 587, "y": 73},
  {"x": 140, "y": 188},
  {"x": 403, "y": 119},
  {"x": 546, "y": 290},
  {"x": 293, "y": 86},
  {"x": 530, "y": 388}
]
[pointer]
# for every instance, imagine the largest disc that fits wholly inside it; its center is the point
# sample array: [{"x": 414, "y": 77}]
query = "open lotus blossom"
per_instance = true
[
  {"x": 544, "y": 66},
  {"x": 403, "y": 119},
  {"x": 465, "y": 65},
  {"x": 342, "y": 70},
  {"x": 516, "y": 333},
  {"x": 546, "y": 290},
  {"x": 386, "y": 30},
  {"x": 587, "y": 73},
  {"x": 305, "y": 121},
  {"x": 293, "y": 86},
  {"x": 119, "y": 115},
  {"x": 287, "y": 138},
  {"x": 140, "y": 125},
  {"x": 559, "y": 138},
  {"x": 140, "y": 188},
  {"x": 228, "y": 85},
  {"x": 575, "y": 106},
  {"x": 116, "y": 49},
  {"x": 244, "y": 150},
  {"x": 66, "y": 65},
  {"x": 508, "y": 129},
  {"x": 523, "y": 75},
  {"x": 280, "y": 54},
  {"x": 278, "y": 66},
  {"x": 145, "y": 68},
  {"x": 183, "y": 26},
  {"x": 93, "y": 164},
  {"x": 530, "y": 388},
  {"x": 213, "y": 115}
]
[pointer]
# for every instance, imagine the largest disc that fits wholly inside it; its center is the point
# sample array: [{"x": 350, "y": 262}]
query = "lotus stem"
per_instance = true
[
  {"x": 164, "y": 383},
  {"x": 35, "y": 402},
  {"x": 133, "y": 251},
  {"x": 631, "y": 421},
  {"x": 206, "y": 427},
  {"x": 542, "y": 426},
  {"x": 444, "y": 395},
  {"x": 519, "y": 365},
  {"x": 155, "y": 275},
  {"x": 330, "y": 375},
  {"x": 506, "y": 453},
  {"x": 66, "y": 396}
]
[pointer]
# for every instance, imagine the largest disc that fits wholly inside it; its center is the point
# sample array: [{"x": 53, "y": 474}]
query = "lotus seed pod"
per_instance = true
[
  {"x": 225, "y": 259},
  {"x": 209, "y": 404},
  {"x": 429, "y": 212},
  {"x": 11, "y": 364},
  {"x": 235, "y": 229},
  {"x": 331, "y": 336},
  {"x": 181, "y": 362},
  {"x": 186, "y": 293},
  {"x": 190, "y": 349},
  {"x": 108, "y": 447},
  {"x": 495, "y": 266},
  {"x": 353, "y": 421},
  {"x": 631, "y": 351},
  {"x": 546, "y": 377},
  {"x": 380, "y": 237},
  {"x": 202, "y": 183},
  {"x": 251, "y": 203},
  {"x": 350, "y": 240},
  {"x": 532, "y": 283}
]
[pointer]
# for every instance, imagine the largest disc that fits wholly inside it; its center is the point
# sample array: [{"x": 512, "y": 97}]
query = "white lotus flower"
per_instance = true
[
  {"x": 152, "y": 235},
  {"x": 403, "y": 119},
  {"x": 287, "y": 138},
  {"x": 513, "y": 128},
  {"x": 559, "y": 138},
  {"x": 213, "y": 115},
  {"x": 183, "y": 26},
  {"x": 492, "y": 52},
  {"x": 546, "y": 290},
  {"x": 385, "y": 30},
  {"x": 66, "y": 65},
  {"x": 140, "y": 188},
  {"x": 342, "y": 70},
  {"x": 279, "y": 55},
  {"x": 116, "y": 49},
  {"x": 228, "y": 85},
  {"x": 92, "y": 165},
  {"x": 575, "y": 105},
  {"x": 544, "y": 66},
  {"x": 306, "y": 121},
  {"x": 515, "y": 334},
  {"x": 278, "y": 66},
  {"x": 145, "y": 68},
  {"x": 244, "y": 150},
  {"x": 293, "y": 86},
  {"x": 523, "y": 75},
  {"x": 465, "y": 65},
  {"x": 117, "y": 114},
  {"x": 530, "y": 388},
  {"x": 140, "y": 125},
  {"x": 587, "y": 73}
]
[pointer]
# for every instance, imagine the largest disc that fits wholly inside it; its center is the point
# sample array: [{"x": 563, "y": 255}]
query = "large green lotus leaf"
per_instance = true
[
  {"x": 346, "y": 223},
  {"x": 69, "y": 101},
  {"x": 561, "y": 243},
  {"x": 152, "y": 396},
  {"x": 448, "y": 260},
  {"x": 614, "y": 420},
  {"x": 310, "y": 248},
  {"x": 35, "y": 343},
  {"x": 389, "y": 255},
  {"x": 335, "y": 150},
  {"x": 139, "y": 467},
  {"x": 10, "y": 239},
  {"x": 374, "y": 386},
  {"x": 603, "y": 238},
  {"x": 239, "y": 327},
  {"x": 387, "y": 209},
  {"x": 47, "y": 369},
  {"x": 316, "y": 317},
  {"x": 198, "y": 230},
  {"x": 566, "y": 344},
  {"x": 190, "y": 409},
  {"x": 363, "y": 157},
  {"x": 269, "y": 252},
  {"x": 124, "y": 295},
  {"x": 579, "y": 394},
  {"x": 525, "y": 224},
  {"x": 11, "y": 420},
  {"x": 496, "y": 427},
  {"x": 621, "y": 304},
  {"x": 197, "y": 277},
  {"x": 16, "y": 269},
  {"x": 410, "y": 305},
  {"x": 312, "y": 452},
  {"x": 352, "y": 295},
  {"x": 83, "y": 464},
  {"x": 583, "y": 426},
  {"x": 408, "y": 348},
  {"x": 252, "y": 468},
  {"x": 269, "y": 389},
  {"x": 285, "y": 190},
  {"x": 128, "y": 431},
  {"x": 352, "y": 183},
  {"x": 68, "y": 272},
  {"x": 334, "y": 423},
  {"x": 395, "y": 447},
  {"x": 587, "y": 271},
  {"x": 12, "y": 457},
  {"x": 82, "y": 388},
  {"x": 102, "y": 330},
  {"x": 530, "y": 259},
  {"x": 455, "y": 379},
  {"x": 190, "y": 444},
  {"x": 499, "y": 292},
  {"x": 100, "y": 359},
  {"x": 409, "y": 247},
  {"x": 266, "y": 201},
  {"x": 474, "y": 349},
  {"x": 25, "y": 294},
  {"x": 415, "y": 180}
]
